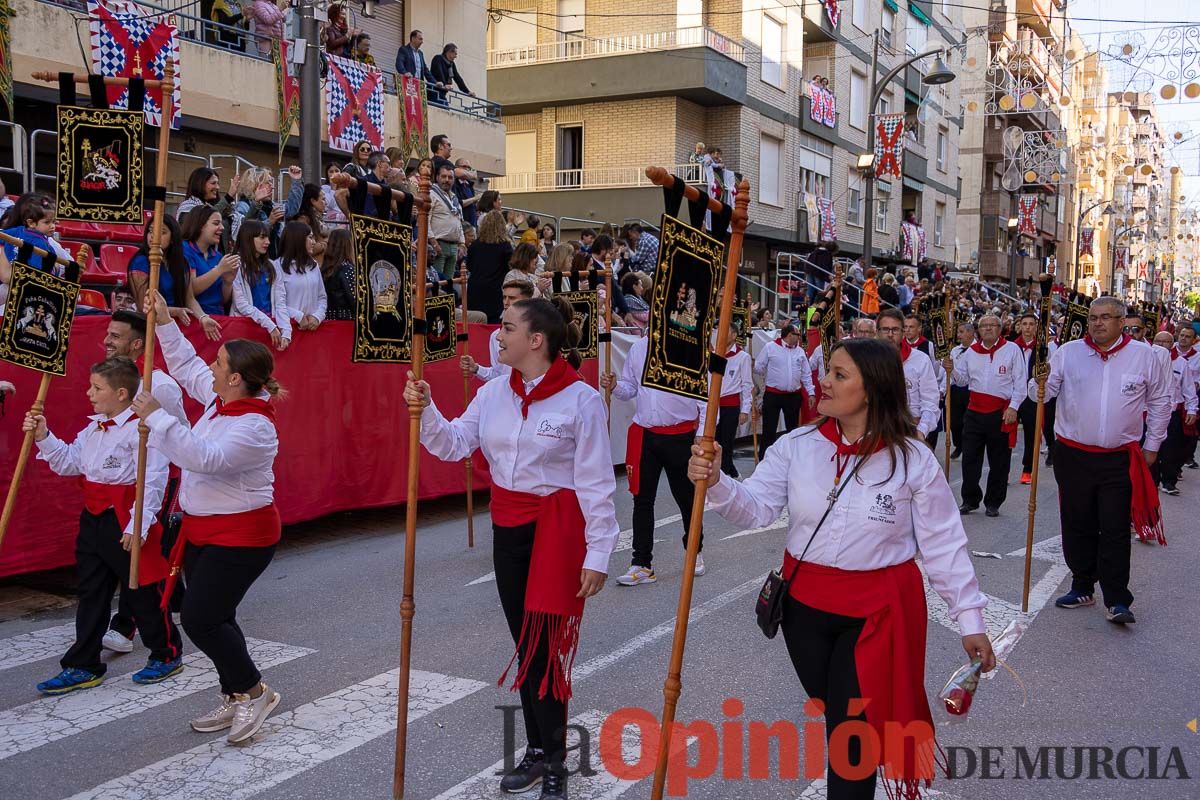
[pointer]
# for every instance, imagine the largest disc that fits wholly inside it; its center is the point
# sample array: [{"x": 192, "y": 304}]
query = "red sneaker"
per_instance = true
[{"x": 1026, "y": 478}]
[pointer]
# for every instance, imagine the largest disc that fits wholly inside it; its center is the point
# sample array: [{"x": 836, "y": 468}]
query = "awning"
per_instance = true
[{"x": 916, "y": 186}]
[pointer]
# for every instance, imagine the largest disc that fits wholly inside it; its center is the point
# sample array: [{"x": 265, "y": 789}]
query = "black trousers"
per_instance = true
[
  {"x": 773, "y": 405},
  {"x": 821, "y": 646},
  {"x": 661, "y": 452},
  {"x": 727, "y": 425},
  {"x": 1169, "y": 464},
  {"x": 1189, "y": 451},
  {"x": 1027, "y": 415},
  {"x": 959, "y": 397},
  {"x": 1094, "y": 494},
  {"x": 101, "y": 565},
  {"x": 218, "y": 577},
  {"x": 982, "y": 435},
  {"x": 545, "y": 718}
]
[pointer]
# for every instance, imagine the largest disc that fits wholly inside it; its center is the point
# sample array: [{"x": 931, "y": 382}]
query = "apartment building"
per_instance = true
[
  {"x": 1093, "y": 195},
  {"x": 228, "y": 102}
]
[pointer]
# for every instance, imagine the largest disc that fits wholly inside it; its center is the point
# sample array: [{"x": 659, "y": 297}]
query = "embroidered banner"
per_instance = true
[
  {"x": 889, "y": 145},
  {"x": 823, "y": 105},
  {"x": 683, "y": 309},
  {"x": 941, "y": 332},
  {"x": 414, "y": 117},
  {"x": 128, "y": 43},
  {"x": 741, "y": 323},
  {"x": 440, "y": 340},
  {"x": 6, "y": 73},
  {"x": 354, "y": 104},
  {"x": 912, "y": 243},
  {"x": 1087, "y": 237},
  {"x": 1121, "y": 258},
  {"x": 587, "y": 317},
  {"x": 832, "y": 11},
  {"x": 37, "y": 320},
  {"x": 1075, "y": 326},
  {"x": 287, "y": 91},
  {"x": 383, "y": 289},
  {"x": 1150, "y": 313},
  {"x": 828, "y": 219},
  {"x": 1027, "y": 214},
  {"x": 100, "y": 165}
]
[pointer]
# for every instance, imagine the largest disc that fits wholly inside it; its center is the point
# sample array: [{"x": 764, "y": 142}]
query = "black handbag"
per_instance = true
[{"x": 768, "y": 608}]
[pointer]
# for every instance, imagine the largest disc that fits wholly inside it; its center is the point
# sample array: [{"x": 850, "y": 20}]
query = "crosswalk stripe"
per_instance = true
[
  {"x": 50, "y": 719},
  {"x": 38, "y": 645},
  {"x": 289, "y": 743}
]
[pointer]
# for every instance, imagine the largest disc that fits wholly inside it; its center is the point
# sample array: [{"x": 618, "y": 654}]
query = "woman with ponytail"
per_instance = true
[{"x": 545, "y": 434}]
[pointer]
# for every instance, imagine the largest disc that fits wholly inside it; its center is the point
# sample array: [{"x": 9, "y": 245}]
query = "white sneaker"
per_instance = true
[
  {"x": 249, "y": 713},
  {"x": 115, "y": 641},
  {"x": 700, "y": 570},
  {"x": 637, "y": 576}
]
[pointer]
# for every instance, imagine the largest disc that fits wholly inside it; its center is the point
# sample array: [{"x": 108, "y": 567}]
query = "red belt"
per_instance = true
[
  {"x": 731, "y": 400},
  {"x": 510, "y": 508},
  {"x": 99, "y": 497},
  {"x": 773, "y": 390},
  {"x": 633, "y": 447},
  {"x": 1145, "y": 510},
  {"x": 982, "y": 403},
  {"x": 259, "y": 527}
]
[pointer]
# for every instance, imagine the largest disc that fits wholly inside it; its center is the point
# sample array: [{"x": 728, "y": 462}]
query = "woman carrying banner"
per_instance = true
[
  {"x": 545, "y": 434},
  {"x": 865, "y": 493},
  {"x": 227, "y": 494}
]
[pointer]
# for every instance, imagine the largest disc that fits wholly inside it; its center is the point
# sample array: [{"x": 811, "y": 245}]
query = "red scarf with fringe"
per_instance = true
[
  {"x": 1145, "y": 510},
  {"x": 558, "y": 377}
]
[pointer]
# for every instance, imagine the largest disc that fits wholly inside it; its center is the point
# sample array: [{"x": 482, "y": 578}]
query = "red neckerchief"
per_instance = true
[
  {"x": 732, "y": 352},
  {"x": 558, "y": 377},
  {"x": 905, "y": 349},
  {"x": 246, "y": 405},
  {"x": 832, "y": 431},
  {"x": 1105, "y": 355},
  {"x": 1186, "y": 355},
  {"x": 1025, "y": 346},
  {"x": 1174, "y": 353},
  {"x": 990, "y": 352},
  {"x": 919, "y": 343}
]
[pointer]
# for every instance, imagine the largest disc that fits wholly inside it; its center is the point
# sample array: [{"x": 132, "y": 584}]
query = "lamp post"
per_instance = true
[
  {"x": 310, "y": 93},
  {"x": 1012, "y": 250},
  {"x": 939, "y": 75},
  {"x": 1107, "y": 212}
]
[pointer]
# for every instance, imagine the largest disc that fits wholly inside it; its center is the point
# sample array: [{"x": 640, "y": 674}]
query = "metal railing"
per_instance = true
[
  {"x": 20, "y": 157},
  {"x": 574, "y": 48},
  {"x": 619, "y": 177}
]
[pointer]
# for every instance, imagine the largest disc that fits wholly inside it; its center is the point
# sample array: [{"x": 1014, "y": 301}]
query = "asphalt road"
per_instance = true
[{"x": 324, "y": 619}]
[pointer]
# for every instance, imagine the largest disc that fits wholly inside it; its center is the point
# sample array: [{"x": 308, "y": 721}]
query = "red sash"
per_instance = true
[
  {"x": 731, "y": 400},
  {"x": 633, "y": 448},
  {"x": 773, "y": 390},
  {"x": 1145, "y": 511},
  {"x": 552, "y": 608},
  {"x": 982, "y": 403},
  {"x": 99, "y": 497},
  {"x": 259, "y": 527}
]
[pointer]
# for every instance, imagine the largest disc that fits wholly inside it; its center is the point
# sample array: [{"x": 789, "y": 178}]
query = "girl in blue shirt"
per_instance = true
[
  {"x": 212, "y": 272},
  {"x": 174, "y": 278},
  {"x": 33, "y": 221}
]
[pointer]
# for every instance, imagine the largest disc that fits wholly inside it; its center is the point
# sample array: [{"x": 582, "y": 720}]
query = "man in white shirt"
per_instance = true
[
  {"x": 1187, "y": 351},
  {"x": 916, "y": 339},
  {"x": 1167, "y": 467},
  {"x": 923, "y": 395},
  {"x": 787, "y": 385},
  {"x": 1107, "y": 382},
  {"x": 959, "y": 395},
  {"x": 1027, "y": 327},
  {"x": 511, "y": 293},
  {"x": 994, "y": 371},
  {"x": 734, "y": 409}
]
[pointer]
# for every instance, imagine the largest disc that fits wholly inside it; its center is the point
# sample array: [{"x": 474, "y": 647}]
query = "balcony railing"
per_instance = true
[
  {"x": 239, "y": 40},
  {"x": 574, "y": 48},
  {"x": 620, "y": 177}
]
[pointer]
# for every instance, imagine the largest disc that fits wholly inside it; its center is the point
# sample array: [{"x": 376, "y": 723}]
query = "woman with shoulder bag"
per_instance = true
[{"x": 863, "y": 494}]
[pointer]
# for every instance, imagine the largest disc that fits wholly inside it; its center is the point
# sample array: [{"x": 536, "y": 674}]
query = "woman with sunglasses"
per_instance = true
[{"x": 358, "y": 160}]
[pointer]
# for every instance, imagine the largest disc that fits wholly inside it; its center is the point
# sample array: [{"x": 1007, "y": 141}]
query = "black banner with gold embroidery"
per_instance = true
[
  {"x": 37, "y": 320},
  {"x": 100, "y": 169},
  {"x": 683, "y": 309},
  {"x": 440, "y": 339},
  {"x": 587, "y": 317},
  {"x": 740, "y": 324},
  {"x": 1075, "y": 326},
  {"x": 383, "y": 286},
  {"x": 1153, "y": 319},
  {"x": 941, "y": 329}
]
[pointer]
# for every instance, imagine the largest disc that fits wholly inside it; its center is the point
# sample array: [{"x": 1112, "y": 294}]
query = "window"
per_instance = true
[
  {"x": 815, "y": 183},
  {"x": 942, "y": 137},
  {"x": 858, "y": 100},
  {"x": 770, "y": 170},
  {"x": 772, "y": 52},
  {"x": 915, "y": 35},
  {"x": 568, "y": 156},
  {"x": 939, "y": 222},
  {"x": 854, "y": 204},
  {"x": 881, "y": 210},
  {"x": 570, "y": 28},
  {"x": 860, "y": 14},
  {"x": 520, "y": 158},
  {"x": 816, "y": 165},
  {"x": 887, "y": 26},
  {"x": 885, "y": 103}
]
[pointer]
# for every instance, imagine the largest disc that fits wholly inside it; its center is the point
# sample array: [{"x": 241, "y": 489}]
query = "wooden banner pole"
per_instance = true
[
  {"x": 672, "y": 686},
  {"x": 952, "y": 332},
  {"x": 608, "y": 304},
  {"x": 753, "y": 399},
  {"x": 1039, "y": 421},
  {"x": 39, "y": 405},
  {"x": 468, "y": 463},
  {"x": 407, "y": 606}
]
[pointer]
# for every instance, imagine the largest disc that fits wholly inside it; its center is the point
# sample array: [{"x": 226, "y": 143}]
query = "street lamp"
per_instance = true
[
  {"x": 1107, "y": 212},
  {"x": 938, "y": 75}
]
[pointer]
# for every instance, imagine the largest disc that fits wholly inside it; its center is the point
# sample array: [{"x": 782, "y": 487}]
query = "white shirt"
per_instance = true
[
  {"x": 1000, "y": 373},
  {"x": 939, "y": 372},
  {"x": 496, "y": 370},
  {"x": 737, "y": 379},
  {"x": 1028, "y": 355},
  {"x": 168, "y": 394},
  {"x": 110, "y": 456},
  {"x": 562, "y": 445},
  {"x": 243, "y": 302},
  {"x": 1101, "y": 402},
  {"x": 923, "y": 394},
  {"x": 1182, "y": 388},
  {"x": 817, "y": 361},
  {"x": 785, "y": 368},
  {"x": 957, "y": 352},
  {"x": 304, "y": 293},
  {"x": 227, "y": 461},
  {"x": 877, "y": 522},
  {"x": 654, "y": 408}
]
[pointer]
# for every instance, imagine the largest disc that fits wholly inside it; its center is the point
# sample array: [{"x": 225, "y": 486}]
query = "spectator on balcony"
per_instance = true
[
  {"x": 445, "y": 221},
  {"x": 644, "y": 245},
  {"x": 303, "y": 283},
  {"x": 337, "y": 34},
  {"x": 174, "y": 277},
  {"x": 259, "y": 291},
  {"x": 697, "y": 156},
  {"x": 446, "y": 72},
  {"x": 530, "y": 235},
  {"x": 523, "y": 265},
  {"x": 357, "y": 166},
  {"x": 411, "y": 61},
  {"x": 333, "y": 214},
  {"x": 361, "y": 50},
  {"x": 634, "y": 286},
  {"x": 338, "y": 273},
  {"x": 268, "y": 20},
  {"x": 464, "y": 188},
  {"x": 487, "y": 264},
  {"x": 586, "y": 237},
  {"x": 228, "y": 16},
  {"x": 490, "y": 200},
  {"x": 442, "y": 151},
  {"x": 212, "y": 271},
  {"x": 254, "y": 191}
]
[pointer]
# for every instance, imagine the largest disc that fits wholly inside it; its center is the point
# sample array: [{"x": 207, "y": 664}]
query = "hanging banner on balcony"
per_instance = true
[
  {"x": 354, "y": 104},
  {"x": 1027, "y": 214},
  {"x": 287, "y": 91},
  {"x": 813, "y": 215},
  {"x": 889, "y": 145},
  {"x": 823, "y": 105},
  {"x": 683, "y": 309},
  {"x": 1087, "y": 237},
  {"x": 129, "y": 43},
  {"x": 1121, "y": 258},
  {"x": 6, "y": 74},
  {"x": 828, "y": 219},
  {"x": 100, "y": 165},
  {"x": 414, "y": 117},
  {"x": 382, "y": 258},
  {"x": 832, "y": 11}
]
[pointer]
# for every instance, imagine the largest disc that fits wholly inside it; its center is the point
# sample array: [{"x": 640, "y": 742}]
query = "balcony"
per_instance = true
[
  {"x": 620, "y": 177},
  {"x": 698, "y": 64},
  {"x": 1037, "y": 15},
  {"x": 817, "y": 27}
]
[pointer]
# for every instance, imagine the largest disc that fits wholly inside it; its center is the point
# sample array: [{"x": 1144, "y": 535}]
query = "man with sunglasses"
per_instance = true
[
  {"x": 1135, "y": 326},
  {"x": 1107, "y": 382}
]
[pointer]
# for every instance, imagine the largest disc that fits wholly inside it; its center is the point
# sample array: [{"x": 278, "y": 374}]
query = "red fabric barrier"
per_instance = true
[{"x": 343, "y": 433}]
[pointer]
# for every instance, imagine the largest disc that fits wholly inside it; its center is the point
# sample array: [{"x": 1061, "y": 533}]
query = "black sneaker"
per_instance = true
[
  {"x": 554, "y": 784},
  {"x": 527, "y": 775},
  {"x": 966, "y": 508},
  {"x": 1192, "y": 465},
  {"x": 992, "y": 511},
  {"x": 956, "y": 454},
  {"x": 1121, "y": 615},
  {"x": 1171, "y": 489}
]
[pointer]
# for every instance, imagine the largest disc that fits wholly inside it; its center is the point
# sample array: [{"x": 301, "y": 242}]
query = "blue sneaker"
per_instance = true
[
  {"x": 69, "y": 680},
  {"x": 1121, "y": 615},
  {"x": 1075, "y": 599},
  {"x": 157, "y": 671}
]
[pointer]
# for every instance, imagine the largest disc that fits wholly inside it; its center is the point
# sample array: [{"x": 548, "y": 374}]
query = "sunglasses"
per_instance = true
[{"x": 1132, "y": 329}]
